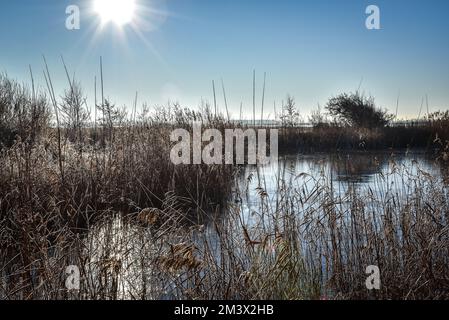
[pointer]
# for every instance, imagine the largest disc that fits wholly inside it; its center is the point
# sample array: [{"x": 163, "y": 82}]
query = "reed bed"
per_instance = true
[
  {"x": 107, "y": 199},
  {"x": 310, "y": 244}
]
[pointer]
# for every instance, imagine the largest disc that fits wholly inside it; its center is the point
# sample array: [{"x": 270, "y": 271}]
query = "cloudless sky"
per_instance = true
[{"x": 310, "y": 49}]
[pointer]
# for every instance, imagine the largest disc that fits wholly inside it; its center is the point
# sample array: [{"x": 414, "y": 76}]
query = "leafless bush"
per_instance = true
[{"x": 22, "y": 114}]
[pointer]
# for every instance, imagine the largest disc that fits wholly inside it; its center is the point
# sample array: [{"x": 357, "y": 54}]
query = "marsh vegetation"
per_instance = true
[{"x": 103, "y": 195}]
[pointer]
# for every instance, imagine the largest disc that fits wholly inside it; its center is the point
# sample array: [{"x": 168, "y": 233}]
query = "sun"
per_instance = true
[{"x": 120, "y": 12}]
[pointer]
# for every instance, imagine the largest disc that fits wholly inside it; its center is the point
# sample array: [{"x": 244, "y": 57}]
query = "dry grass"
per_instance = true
[{"x": 109, "y": 200}]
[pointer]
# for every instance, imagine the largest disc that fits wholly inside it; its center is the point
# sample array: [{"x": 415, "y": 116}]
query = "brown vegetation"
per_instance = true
[{"x": 107, "y": 198}]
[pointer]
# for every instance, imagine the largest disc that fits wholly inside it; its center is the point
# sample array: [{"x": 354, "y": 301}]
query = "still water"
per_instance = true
[
  {"x": 256, "y": 190},
  {"x": 377, "y": 173}
]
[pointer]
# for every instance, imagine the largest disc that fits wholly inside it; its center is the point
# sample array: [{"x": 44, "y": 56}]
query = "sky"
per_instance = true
[{"x": 173, "y": 49}]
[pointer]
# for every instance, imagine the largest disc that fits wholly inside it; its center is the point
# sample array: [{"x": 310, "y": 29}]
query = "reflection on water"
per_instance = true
[
  {"x": 125, "y": 257},
  {"x": 375, "y": 172},
  {"x": 357, "y": 168}
]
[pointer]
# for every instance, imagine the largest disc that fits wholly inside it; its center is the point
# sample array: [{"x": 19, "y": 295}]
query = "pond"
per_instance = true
[
  {"x": 377, "y": 173},
  {"x": 257, "y": 212}
]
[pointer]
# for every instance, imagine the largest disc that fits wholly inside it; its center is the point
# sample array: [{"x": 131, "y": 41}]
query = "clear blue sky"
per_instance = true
[{"x": 311, "y": 49}]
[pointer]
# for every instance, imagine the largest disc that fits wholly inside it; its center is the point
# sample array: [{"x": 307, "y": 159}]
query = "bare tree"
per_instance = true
[
  {"x": 290, "y": 115},
  {"x": 318, "y": 118},
  {"x": 74, "y": 112}
]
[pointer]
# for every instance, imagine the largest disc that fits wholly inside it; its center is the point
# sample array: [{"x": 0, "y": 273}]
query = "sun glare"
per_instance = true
[{"x": 120, "y": 12}]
